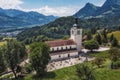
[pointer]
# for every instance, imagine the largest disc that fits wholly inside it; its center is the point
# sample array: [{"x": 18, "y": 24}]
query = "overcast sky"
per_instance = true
[{"x": 49, "y": 7}]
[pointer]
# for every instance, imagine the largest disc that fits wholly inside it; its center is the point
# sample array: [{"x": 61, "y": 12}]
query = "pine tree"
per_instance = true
[
  {"x": 111, "y": 37},
  {"x": 98, "y": 38},
  {"x": 119, "y": 27},
  {"x": 115, "y": 42},
  {"x": 89, "y": 36},
  {"x": 105, "y": 40},
  {"x": 93, "y": 30}
]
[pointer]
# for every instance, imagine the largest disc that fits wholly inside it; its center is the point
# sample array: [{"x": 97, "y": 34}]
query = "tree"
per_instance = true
[
  {"x": 85, "y": 72},
  {"x": 89, "y": 36},
  {"x": 119, "y": 27},
  {"x": 91, "y": 44},
  {"x": 111, "y": 37},
  {"x": 114, "y": 54},
  {"x": 13, "y": 52},
  {"x": 2, "y": 62},
  {"x": 98, "y": 38},
  {"x": 93, "y": 30},
  {"x": 39, "y": 57},
  {"x": 114, "y": 42},
  {"x": 1, "y": 38},
  {"x": 104, "y": 33}
]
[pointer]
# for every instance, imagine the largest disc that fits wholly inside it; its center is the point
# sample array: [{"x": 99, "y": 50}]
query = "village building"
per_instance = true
[{"x": 63, "y": 49}]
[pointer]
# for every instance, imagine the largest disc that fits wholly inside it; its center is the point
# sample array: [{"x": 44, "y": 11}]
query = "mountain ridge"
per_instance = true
[
  {"x": 108, "y": 9},
  {"x": 88, "y": 10},
  {"x": 18, "y": 18}
]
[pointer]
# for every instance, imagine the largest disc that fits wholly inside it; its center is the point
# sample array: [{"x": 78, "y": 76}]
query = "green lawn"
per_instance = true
[
  {"x": 104, "y": 73},
  {"x": 70, "y": 74},
  {"x": 104, "y": 54},
  {"x": 116, "y": 34},
  {"x": 2, "y": 43}
]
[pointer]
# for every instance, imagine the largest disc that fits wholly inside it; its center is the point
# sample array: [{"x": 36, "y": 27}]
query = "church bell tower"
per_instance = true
[{"x": 76, "y": 35}]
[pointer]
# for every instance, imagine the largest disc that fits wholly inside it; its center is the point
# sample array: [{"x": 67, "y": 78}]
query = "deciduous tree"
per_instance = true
[
  {"x": 91, "y": 44},
  {"x": 14, "y": 52},
  {"x": 2, "y": 62},
  {"x": 85, "y": 72},
  {"x": 39, "y": 57}
]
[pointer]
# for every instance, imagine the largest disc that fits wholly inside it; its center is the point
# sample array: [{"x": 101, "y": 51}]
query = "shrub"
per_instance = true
[{"x": 116, "y": 64}]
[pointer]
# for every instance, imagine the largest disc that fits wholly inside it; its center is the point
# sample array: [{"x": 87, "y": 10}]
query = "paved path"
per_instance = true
[{"x": 98, "y": 50}]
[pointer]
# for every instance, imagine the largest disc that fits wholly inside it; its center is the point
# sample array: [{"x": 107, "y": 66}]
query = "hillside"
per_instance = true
[
  {"x": 106, "y": 16},
  {"x": 109, "y": 9},
  {"x": 17, "y": 18},
  {"x": 116, "y": 34},
  {"x": 61, "y": 27},
  {"x": 88, "y": 10}
]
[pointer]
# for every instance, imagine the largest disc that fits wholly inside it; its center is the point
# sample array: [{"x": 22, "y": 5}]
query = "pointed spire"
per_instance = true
[
  {"x": 76, "y": 23},
  {"x": 76, "y": 20}
]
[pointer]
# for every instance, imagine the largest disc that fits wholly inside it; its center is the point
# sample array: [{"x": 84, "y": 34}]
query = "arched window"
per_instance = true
[
  {"x": 61, "y": 48},
  {"x": 57, "y": 49},
  {"x": 52, "y": 49},
  {"x": 66, "y": 47},
  {"x": 68, "y": 55},
  {"x": 70, "y": 47},
  {"x": 78, "y": 32}
]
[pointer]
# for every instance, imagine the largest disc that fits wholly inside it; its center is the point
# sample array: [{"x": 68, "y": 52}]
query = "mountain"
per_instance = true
[
  {"x": 90, "y": 16},
  {"x": 111, "y": 3},
  {"x": 17, "y": 18},
  {"x": 109, "y": 9},
  {"x": 88, "y": 10}
]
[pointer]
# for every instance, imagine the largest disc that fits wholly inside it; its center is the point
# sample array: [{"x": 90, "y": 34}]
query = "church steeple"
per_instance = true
[
  {"x": 76, "y": 20},
  {"x": 76, "y": 35},
  {"x": 76, "y": 23}
]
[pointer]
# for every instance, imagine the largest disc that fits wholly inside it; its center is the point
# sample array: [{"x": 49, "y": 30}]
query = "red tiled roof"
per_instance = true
[{"x": 60, "y": 43}]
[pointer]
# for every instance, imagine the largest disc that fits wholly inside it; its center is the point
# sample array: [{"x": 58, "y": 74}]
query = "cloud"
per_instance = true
[
  {"x": 13, "y": 4},
  {"x": 57, "y": 11},
  {"x": 46, "y": 10}
]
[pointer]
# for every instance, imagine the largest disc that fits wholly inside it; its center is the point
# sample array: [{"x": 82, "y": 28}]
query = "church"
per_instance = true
[{"x": 63, "y": 49}]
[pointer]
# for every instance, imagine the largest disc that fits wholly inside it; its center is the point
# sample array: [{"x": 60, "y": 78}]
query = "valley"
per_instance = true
[{"x": 84, "y": 45}]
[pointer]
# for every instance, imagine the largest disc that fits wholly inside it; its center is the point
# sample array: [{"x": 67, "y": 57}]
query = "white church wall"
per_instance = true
[
  {"x": 61, "y": 56},
  {"x": 66, "y": 47}
]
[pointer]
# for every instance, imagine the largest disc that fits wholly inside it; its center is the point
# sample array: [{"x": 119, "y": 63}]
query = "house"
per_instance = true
[{"x": 63, "y": 49}]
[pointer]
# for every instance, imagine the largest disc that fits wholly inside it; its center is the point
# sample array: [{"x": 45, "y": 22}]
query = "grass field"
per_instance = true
[
  {"x": 2, "y": 43},
  {"x": 116, "y": 34},
  {"x": 104, "y": 73}
]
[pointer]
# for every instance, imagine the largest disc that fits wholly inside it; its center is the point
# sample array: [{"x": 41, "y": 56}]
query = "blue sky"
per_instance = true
[{"x": 49, "y": 7}]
